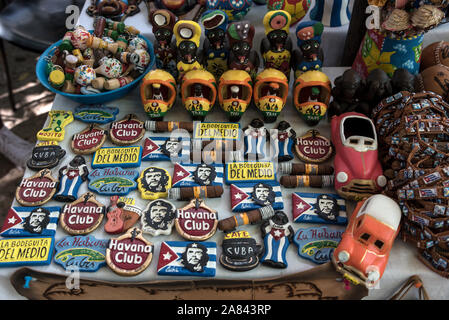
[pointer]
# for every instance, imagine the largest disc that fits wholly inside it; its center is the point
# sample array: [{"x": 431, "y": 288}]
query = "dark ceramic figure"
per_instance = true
[
  {"x": 347, "y": 94},
  {"x": 183, "y": 9},
  {"x": 402, "y": 80},
  {"x": 242, "y": 56},
  {"x": 113, "y": 9},
  {"x": 309, "y": 55},
  {"x": 215, "y": 48},
  {"x": 378, "y": 87},
  {"x": 163, "y": 22}
]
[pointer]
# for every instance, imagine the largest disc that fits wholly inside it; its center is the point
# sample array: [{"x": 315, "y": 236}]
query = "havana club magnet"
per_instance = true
[
  {"x": 127, "y": 131},
  {"x": 30, "y": 222},
  {"x": 82, "y": 216},
  {"x": 313, "y": 147},
  {"x": 129, "y": 254},
  {"x": 122, "y": 215},
  {"x": 45, "y": 156},
  {"x": 158, "y": 217},
  {"x": 183, "y": 258},
  {"x": 240, "y": 251},
  {"x": 85, "y": 253},
  {"x": 55, "y": 131},
  {"x": 112, "y": 181},
  {"x": 196, "y": 221},
  {"x": 317, "y": 244},
  {"x": 154, "y": 183},
  {"x": 37, "y": 189},
  {"x": 89, "y": 140}
]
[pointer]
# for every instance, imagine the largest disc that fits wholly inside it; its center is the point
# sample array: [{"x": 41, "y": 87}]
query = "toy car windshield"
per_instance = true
[{"x": 358, "y": 133}]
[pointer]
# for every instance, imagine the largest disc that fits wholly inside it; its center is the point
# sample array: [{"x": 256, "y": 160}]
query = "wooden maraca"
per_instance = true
[{"x": 111, "y": 68}]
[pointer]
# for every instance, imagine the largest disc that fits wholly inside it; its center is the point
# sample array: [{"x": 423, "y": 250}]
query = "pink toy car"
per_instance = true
[
  {"x": 358, "y": 173},
  {"x": 362, "y": 254}
]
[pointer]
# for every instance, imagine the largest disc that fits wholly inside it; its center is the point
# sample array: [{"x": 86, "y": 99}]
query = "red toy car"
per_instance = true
[
  {"x": 358, "y": 173},
  {"x": 362, "y": 254}
]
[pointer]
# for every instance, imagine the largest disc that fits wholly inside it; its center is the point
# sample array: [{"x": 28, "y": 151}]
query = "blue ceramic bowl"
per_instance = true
[{"x": 90, "y": 98}]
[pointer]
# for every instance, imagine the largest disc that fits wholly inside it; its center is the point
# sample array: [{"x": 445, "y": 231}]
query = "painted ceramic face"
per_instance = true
[
  {"x": 188, "y": 51},
  {"x": 311, "y": 49},
  {"x": 241, "y": 50},
  {"x": 277, "y": 39},
  {"x": 216, "y": 38},
  {"x": 163, "y": 36}
]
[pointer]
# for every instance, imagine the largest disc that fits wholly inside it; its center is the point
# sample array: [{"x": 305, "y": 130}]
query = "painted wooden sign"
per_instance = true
[
  {"x": 125, "y": 157},
  {"x": 317, "y": 244},
  {"x": 35, "y": 251},
  {"x": 127, "y": 131},
  {"x": 250, "y": 172},
  {"x": 196, "y": 221},
  {"x": 37, "y": 189},
  {"x": 216, "y": 131},
  {"x": 113, "y": 181},
  {"x": 95, "y": 113},
  {"x": 89, "y": 140},
  {"x": 55, "y": 130}
]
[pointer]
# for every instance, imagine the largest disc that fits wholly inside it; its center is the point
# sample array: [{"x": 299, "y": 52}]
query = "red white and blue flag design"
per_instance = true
[
  {"x": 184, "y": 175},
  {"x": 242, "y": 197},
  {"x": 304, "y": 206},
  {"x": 153, "y": 149}
]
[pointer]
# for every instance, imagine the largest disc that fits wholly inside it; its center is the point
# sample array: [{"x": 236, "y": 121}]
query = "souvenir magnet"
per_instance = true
[
  {"x": 277, "y": 235},
  {"x": 122, "y": 215},
  {"x": 95, "y": 113},
  {"x": 82, "y": 216},
  {"x": 251, "y": 196},
  {"x": 255, "y": 138},
  {"x": 158, "y": 217},
  {"x": 176, "y": 149},
  {"x": 85, "y": 253},
  {"x": 183, "y": 258},
  {"x": 240, "y": 251},
  {"x": 112, "y": 181},
  {"x": 319, "y": 208},
  {"x": 127, "y": 131},
  {"x": 154, "y": 183},
  {"x": 30, "y": 222},
  {"x": 282, "y": 141},
  {"x": 216, "y": 131},
  {"x": 196, "y": 221},
  {"x": 124, "y": 157},
  {"x": 238, "y": 172},
  {"x": 16, "y": 252},
  {"x": 89, "y": 140},
  {"x": 71, "y": 177},
  {"x": 129, "y": 254},
  {"x": 317, "y": 244},
  {"x": 313, "y": 147},
  {"x": 37, "y": 189},
  {"x": 45, "y": 156},
  {"x": 193, "y": 175},
  {"x": 55, "y": 130}
]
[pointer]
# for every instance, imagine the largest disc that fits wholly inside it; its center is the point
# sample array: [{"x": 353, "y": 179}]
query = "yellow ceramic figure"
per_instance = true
[
  {"x": 158, "y": 93},
  {"x": 270, "y": 93},
  {"x": 198, "y": 93},
  {"x": 187, "y": 34},
  {"x": 311, "y": 95},
  {"x": 234, "y": 93}
]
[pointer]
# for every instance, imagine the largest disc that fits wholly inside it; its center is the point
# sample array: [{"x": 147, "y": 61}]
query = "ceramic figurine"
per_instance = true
[
  {"x": 242, "y": 57},
  {"x": 270, "y": 93},
  {"x": 276, "y": 47},
  {"x": 255, "y": 137},
  {"x": 187, "y": 35},
  {"x": 358, "y": 172},
  {"x": 297, "y": 8},
  {"x": 198, "y": 93},
  {"x": 157, "y": 93},
  {"x": 402, "y": 80},
  {"x": 183, "y": 9},
  {"x": 71, "y": 177},
  {"x": 310, "y": 55},
  {"x": 282, "y": 141},
  {"x": 235, "y": 9},
  {"x": 163, "y": 22},
  {"x": 215, "y": 47},
  {"x": 113, "y": 9},
  {"x": 363, "y": 251},
  {"x": 378, "y": 87},
  {"x": 332, "y": 13},
  {"x": 347, "y": 94},
  {"x": 311, "y": 96},
  {"x": 235, "y": 92},
  {"x": 277, "y": 235}
]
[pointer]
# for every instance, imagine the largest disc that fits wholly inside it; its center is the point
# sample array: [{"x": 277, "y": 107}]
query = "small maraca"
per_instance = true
[
  {"x": 140, "y": 59},
  {"x": 137, "y": 43},
  {"x": 111, "y": 68},
  {"x": 84, "y": 75},
  {"x": 80, "y": 38}
]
